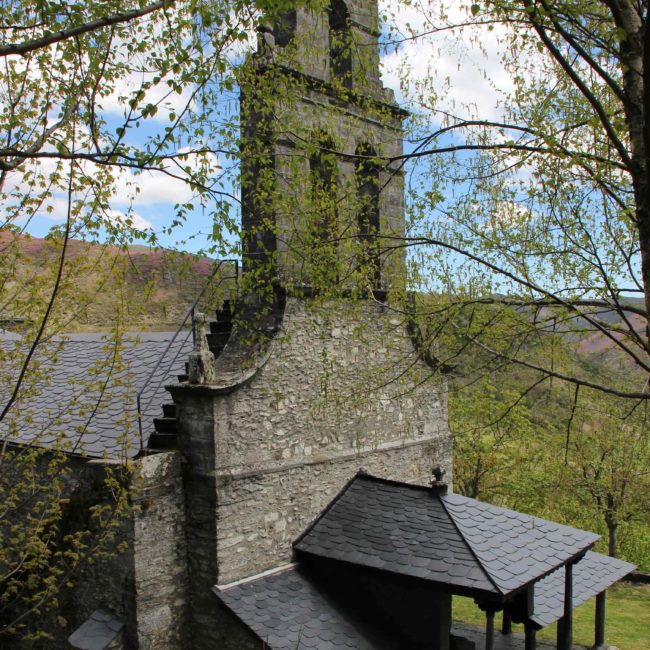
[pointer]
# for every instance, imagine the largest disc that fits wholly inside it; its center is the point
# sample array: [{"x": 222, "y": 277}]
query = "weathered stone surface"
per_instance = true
[
  {"x": 159, "y": 547},
  {"x": 343, "y": 379},
  {"x": 342, "y": 389},
  {"x": 200, "y": 367}
]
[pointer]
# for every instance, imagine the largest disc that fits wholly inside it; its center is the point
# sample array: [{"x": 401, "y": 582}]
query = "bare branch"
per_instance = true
[{"x": 56, "y": 37}]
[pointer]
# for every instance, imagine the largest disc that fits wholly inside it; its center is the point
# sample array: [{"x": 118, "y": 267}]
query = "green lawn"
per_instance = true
[{"x": 627, "y": 620}]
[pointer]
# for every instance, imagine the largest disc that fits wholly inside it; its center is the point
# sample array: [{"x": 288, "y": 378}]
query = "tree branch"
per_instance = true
[{"x": 55, "y": 37}]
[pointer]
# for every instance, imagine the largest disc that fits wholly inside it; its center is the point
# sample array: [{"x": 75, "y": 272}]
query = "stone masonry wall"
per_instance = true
[
  {"x": 343, "y": 378},
  {"x": 159, "y": 552},
  {"x": 342, "y": 389}
]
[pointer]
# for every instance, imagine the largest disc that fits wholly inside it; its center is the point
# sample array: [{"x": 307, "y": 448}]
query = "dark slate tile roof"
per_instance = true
[
  {"x": 448, "y": 539},
  {"x": 512, "y": 547},
  {"x": 397, "y": 528},
  {"x": 591, "y": 575},
  {"x": 288, "y": 611},
  {"x": 85, "y": 401},
  {"x": 96, "y": 632}
]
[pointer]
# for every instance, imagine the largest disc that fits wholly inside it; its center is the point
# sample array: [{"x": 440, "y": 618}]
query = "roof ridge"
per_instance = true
[
  {"x": 391, "y": 481},
  {"x": 468, "y": 545}
]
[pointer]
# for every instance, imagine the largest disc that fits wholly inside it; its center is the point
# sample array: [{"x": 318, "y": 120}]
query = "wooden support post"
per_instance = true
[
  {"x": 558, "y": 638},
  {"x": 565, "y": 640},
  {"x": 489, "y": 629},
  {"x": 531, "y": 637},
  {"x": 506, "y": 624},
  {"x": 599, "y": 636}
]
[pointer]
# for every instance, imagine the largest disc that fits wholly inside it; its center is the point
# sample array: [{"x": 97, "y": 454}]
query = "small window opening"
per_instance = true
[
  {"x": 284, "y": 28},
  {"x": 368, "y": 190},
  {"x": 340, "y": 43}
]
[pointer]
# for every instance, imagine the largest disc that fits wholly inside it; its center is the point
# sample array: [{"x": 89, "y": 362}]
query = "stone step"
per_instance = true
[
  {"x": 162, "y": 440},
  {"x": 216, "y": 340},
  {"x": 165, "y": 425},
  {"x": 220, "y": 327},
  {"x": 216, "y": 350},
  {"x": 224, "y": 315},
  {"x": 169, "y": 410}
]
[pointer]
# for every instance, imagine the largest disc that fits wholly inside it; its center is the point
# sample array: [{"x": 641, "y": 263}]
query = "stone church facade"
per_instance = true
[
  {"x": 312, "y": 386},
  {"x": 320, "y": 386}
]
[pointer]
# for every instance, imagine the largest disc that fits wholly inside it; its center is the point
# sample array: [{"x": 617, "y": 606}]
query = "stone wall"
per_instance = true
[
  {"x": 159, "y": 552},
  {"x": 342, "y": 388},
  {"x": 343, "y": 378},
  {"x": 141, "y": 578}
]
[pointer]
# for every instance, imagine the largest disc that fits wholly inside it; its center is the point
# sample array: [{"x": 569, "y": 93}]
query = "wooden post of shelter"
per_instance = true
[
  {"x": 599, "y": 632},
  {"x": 531, "y": 636},
  {"x": 565, "y": 631},
  {"x": 489, "y": 629},
  {"x": 506, "y": 623}
]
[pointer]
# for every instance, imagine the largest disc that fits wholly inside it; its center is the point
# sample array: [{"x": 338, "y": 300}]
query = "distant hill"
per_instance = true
[
  {"x": 160, "y": 284},
  {"x": 598, "y": 343}
]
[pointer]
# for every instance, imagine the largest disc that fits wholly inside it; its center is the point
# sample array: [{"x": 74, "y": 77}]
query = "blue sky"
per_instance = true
[{"x": 430, "y": 57}]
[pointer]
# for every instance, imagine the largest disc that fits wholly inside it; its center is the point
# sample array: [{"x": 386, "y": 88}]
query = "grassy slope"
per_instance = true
[{"x": 627, "y": 618}]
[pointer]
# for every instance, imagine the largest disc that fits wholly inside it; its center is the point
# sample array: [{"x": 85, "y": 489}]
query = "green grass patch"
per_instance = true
[{"x": 627, "y": 622}]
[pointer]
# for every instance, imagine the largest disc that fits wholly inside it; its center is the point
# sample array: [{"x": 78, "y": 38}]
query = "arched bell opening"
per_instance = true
[
  {"x": 340, "y": 43},
  {"x": 284, "y": 27},
  {"x": 323, "y": 254},
  {"x": 368, "y": 223}
]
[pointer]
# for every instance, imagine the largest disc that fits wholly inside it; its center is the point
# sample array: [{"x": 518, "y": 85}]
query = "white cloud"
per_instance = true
[
  {"x": 133, "y": 219},
  {"x": 149, "y": 188},
  {"x": 167, "y": 101},
  {"x": 158, "y": 187},
  {"x": 460, "y": 68}
]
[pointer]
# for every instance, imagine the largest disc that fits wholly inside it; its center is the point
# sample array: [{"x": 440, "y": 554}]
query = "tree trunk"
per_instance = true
[
  {"x": 635, "y": 57},
  {"x": 612, "y": 529}
]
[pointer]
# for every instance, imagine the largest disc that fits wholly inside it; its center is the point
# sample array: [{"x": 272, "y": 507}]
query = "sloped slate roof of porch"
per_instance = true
[
  {"x": 592, "y": 575},
  {"x": 287, "y": 610},
  {"x": 452, "y": 540}
]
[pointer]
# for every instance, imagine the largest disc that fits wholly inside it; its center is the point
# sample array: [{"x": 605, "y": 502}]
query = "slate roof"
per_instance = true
[
  {"x": 85, "y": 402},
  {"x": 591, "y": 575},
  {"x": 514, "y": 548},
  {"x": 97, "y": 631},
  {"x": 455, "y": 541},
  {"x": 287, "y": 611}
]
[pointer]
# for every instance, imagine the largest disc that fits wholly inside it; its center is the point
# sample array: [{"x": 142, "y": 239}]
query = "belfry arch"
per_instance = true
[
  {"x": 367, "y": 180},
  {"x": 340, "y": 43}
]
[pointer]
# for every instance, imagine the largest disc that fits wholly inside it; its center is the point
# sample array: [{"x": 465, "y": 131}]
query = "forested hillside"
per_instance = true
[
  {"x": 541, "y": 446},
  {"x": 146, "y": 288}
]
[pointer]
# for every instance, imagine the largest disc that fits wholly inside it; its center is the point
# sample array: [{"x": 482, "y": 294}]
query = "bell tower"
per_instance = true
[
  {"x": 322, "y": 185},
  {"x": 306, "y": 392}
]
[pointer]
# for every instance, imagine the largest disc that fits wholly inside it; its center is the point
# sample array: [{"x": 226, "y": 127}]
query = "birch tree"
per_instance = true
[{"x": 539, "y": 205}]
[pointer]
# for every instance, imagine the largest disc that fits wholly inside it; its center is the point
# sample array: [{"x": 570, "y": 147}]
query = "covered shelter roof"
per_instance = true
[
  {"x": 591, "y": 576},
  {"x": 459, "y": 543}
]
